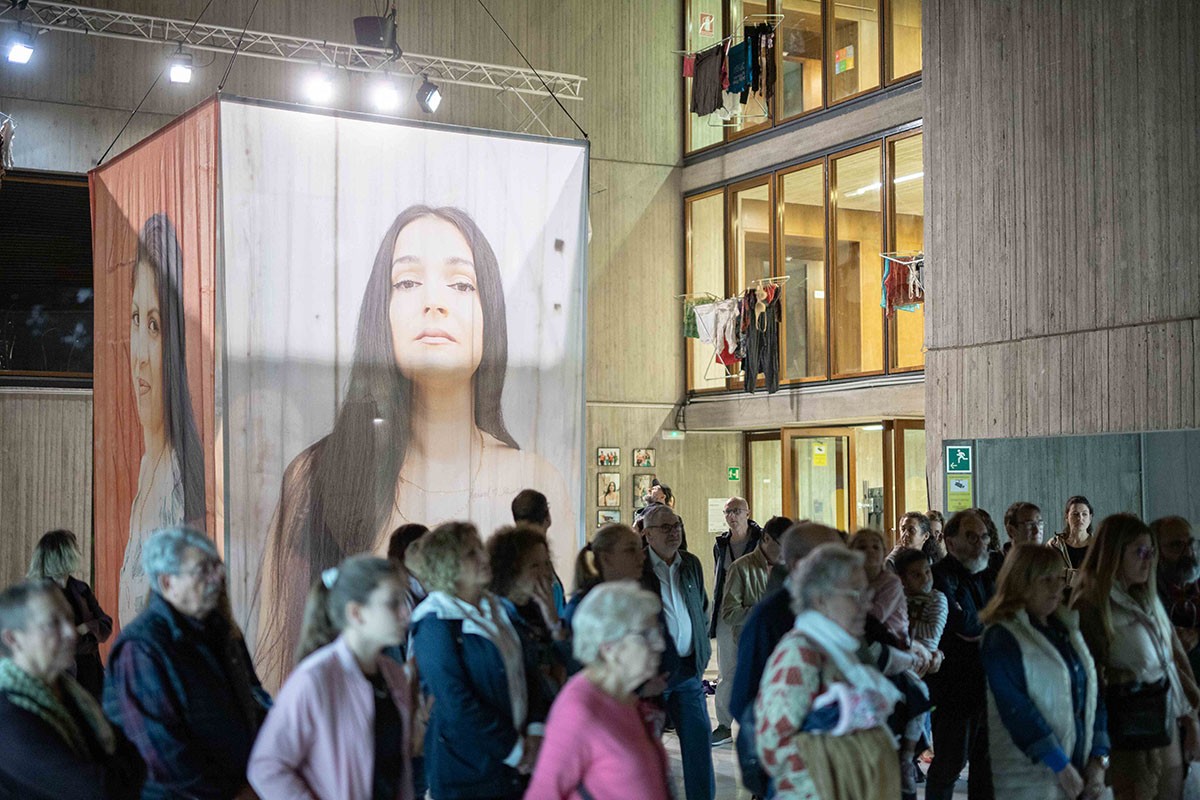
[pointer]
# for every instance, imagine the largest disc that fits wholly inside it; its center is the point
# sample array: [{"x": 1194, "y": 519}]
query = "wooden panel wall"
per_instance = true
[
  {"x": 1063, "y": 243},
  {"x": 45, "y": 468}
]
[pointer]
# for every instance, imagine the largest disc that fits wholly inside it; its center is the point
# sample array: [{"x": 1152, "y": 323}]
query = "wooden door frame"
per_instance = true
[{"x": 788, "y": 435}]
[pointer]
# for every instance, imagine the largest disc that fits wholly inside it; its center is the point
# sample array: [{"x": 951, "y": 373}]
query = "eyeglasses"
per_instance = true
[
  {"x": 1145, "y": 552},
  {"x": 864, "y": 597},
  {"x": 1180, "y": 545},
  {"x": 1030, "y": 524},
  {"x": 205, "y": 569},
  {"x": 676, "y": 528},
  {"x": 651, "y": 636}
]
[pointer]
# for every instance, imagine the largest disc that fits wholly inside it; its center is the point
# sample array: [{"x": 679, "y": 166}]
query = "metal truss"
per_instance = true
[{"x": 71, "y": 18}]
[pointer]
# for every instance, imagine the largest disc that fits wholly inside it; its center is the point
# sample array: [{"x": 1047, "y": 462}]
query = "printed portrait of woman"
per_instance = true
[
  {"x": 420, "y": 435},
  {"x": 170, "y": 483}
]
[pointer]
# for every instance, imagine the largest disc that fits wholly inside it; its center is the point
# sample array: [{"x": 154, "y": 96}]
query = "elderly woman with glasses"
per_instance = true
[
  {"x": 597, "y": 743},
  {"x": 1149, "y": 690},
  {"x": 1047, "y": 730},
  {"x": 821, "y": 712},
  {"x": 57, "y": 742}
]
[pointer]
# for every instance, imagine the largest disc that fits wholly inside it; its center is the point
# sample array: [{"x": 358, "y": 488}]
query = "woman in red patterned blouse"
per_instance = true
[{"x": 820, "y": 710}]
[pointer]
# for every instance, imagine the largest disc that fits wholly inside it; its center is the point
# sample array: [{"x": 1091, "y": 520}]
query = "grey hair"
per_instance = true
[
  {"x": 162, "y": 553},
  {"x": 610, "y": 612},
  {"x": 821, "y": 572}
]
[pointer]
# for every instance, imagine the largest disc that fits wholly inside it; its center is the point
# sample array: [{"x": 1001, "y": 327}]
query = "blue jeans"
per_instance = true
[{"x": 686, "y": 708}]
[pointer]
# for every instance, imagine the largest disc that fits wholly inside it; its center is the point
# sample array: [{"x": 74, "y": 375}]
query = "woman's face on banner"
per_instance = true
[
  {"x": 145, "y": 347},
  {"x": 435, "y": 312}
]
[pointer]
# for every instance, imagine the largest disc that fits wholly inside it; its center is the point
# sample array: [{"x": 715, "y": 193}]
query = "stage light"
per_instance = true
[
  {"x": 21, "y": 49},
  {"x": 429, "y": 96},
  {"x": 181, "y": 68},
  {"x": 319, "y": 88},
  {"x": 385, "y": 97}
]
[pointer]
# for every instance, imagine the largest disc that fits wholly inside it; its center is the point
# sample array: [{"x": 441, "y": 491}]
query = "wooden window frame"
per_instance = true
[
  {"x": 830, "y": 22},
  {"x": 780, "y": 218},
  {"x": 889, "y": 49},
  {"x": 889, "y": 244},
  {"x": 731, "y": 289},
  {"x": 689, "y": 368}
]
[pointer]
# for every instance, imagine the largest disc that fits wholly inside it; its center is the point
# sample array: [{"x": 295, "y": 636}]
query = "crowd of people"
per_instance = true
[{"x": 457, "y": 669}]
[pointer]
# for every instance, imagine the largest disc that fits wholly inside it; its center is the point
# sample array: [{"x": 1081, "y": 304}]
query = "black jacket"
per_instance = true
[
  {"x": 723, "y": 557},
  {"x": 961, "y": 680}
]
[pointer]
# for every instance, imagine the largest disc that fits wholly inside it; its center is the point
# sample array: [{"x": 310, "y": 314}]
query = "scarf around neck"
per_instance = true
[
  {"x": 842, "y": 648},
  {"x": 35, "y": 696}
]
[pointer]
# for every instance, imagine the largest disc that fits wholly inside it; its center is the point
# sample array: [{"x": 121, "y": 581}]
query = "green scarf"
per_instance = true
[{"x": 35, "y": 696}]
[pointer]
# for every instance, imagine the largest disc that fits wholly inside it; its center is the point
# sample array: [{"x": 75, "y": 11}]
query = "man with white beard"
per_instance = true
[
  {"x": 959, "y": 690},
  {"x": 1179, "y": 581}
]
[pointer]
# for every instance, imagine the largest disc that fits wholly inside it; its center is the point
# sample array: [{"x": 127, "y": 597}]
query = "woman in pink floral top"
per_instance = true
[{"x": 821, "y": 711}]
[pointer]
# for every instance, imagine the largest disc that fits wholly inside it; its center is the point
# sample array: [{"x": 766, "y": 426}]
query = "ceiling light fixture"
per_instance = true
[
  {"x": 21, "y": 49},
  {"x": 181, "y": 68},
  {"x": 429, "y": 96},
  {"x": 385, "y": 97},
  {"x": 319, "y": 88}
]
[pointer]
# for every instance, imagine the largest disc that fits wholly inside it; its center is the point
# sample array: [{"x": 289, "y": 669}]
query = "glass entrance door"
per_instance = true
[{"x": 818, "y": 476}]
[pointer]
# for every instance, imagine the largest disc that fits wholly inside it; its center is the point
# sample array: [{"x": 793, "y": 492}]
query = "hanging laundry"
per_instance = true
[
  {"x": 767, "y": 54},
  {"x": 897, "y": 293},
  {"x": 762, "y": 342},
  {"x": 726, "y": 328},
  {"x": 706, "y": 321},
  {"x": 740, "y": 61},
  {"x": 706, "y": 82},
  {"x": 689, "y": 66},
  {"x": 690, "y": 330}
]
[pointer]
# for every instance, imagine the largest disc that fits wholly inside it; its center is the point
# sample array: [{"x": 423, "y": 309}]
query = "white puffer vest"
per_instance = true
[{"x": 1049, "y": 684}]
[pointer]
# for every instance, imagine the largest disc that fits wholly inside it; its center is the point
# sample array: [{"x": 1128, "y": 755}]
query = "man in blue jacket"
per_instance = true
[
  {"x": 178, "y": 684},
  {"x": 678, "y": 579}
]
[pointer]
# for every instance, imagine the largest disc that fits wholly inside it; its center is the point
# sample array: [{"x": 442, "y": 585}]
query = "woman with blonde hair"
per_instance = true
[
  {"x": 489, "y": 708},
  {"x": 1047, "y": 729},
  {"x": 1149, "y": 689},
  {"x": 341, "y": 727},
  {"x": 55, "y": 558}
]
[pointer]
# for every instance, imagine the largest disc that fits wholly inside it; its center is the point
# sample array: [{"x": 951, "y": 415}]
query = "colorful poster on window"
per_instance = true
[
  {"x": 843, "y": 59},
  {"x": 403, "y": 317},
  {"x": 154, "y": 245}
]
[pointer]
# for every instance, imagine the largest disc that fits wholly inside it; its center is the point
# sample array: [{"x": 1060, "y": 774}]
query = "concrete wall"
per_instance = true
[{"x": 1063, "y": 243}]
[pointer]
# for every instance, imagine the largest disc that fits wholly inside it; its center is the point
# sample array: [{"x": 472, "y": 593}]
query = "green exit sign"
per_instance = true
[
  {"x": 735, "y": 473},
  {"x": 958, "y": 458}
]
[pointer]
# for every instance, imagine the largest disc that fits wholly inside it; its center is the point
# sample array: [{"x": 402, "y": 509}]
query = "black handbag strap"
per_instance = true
[{"x": 583, "y": 792}]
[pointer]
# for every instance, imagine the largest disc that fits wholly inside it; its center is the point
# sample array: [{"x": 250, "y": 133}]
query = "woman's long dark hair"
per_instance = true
[
  {"x": 158, "y": 247},
  {"x": 355, "y": 471}
]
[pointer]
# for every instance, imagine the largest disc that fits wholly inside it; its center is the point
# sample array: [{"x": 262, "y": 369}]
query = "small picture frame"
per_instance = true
[
  {"x": 608, "y": 489},
  {"x": 607, "y": 515},
  {"x": 608, "y": 456},
  {"x": 643, "y": 458},
  {"x": 641, "y": 488}
]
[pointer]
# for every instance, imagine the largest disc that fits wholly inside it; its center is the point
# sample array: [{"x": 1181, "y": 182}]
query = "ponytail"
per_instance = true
[
  {"x": 587, "y": 571},
  {"x": 587, "y": 565},
  {"x": 325, "y": 609}
]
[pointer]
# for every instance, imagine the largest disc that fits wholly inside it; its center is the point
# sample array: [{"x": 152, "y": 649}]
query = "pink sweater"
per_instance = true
[
  {"x": 318, "y": 741},
  {"x": 597, "y": 740}
]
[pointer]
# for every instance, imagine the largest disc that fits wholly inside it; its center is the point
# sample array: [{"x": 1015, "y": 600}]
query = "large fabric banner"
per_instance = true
[
  {"x": 403, "y": 326},
  {"x": 154, "y": 237}
]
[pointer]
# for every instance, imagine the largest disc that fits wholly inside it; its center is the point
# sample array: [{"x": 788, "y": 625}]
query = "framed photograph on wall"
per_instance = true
[
  {"x": 606, "y": 515},
  {"x": 641, "y": 488},
  {"x": 643, "y": 458},
  {"x": 608, "y": 456},
  {"x": 608, "y": 489}
]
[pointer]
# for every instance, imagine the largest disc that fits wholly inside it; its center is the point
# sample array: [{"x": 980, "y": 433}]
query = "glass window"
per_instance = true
[
  {"x": 904, "y": 37},
  {"x": 803, "y": 246},
  {"x": 819, "y": 476},
  {"x": 704, "y": 28},
  {"x": 766, "y": 478},
  {"x": 907, "y": 190},
  {"x": 857, "y": 268},
  {"x": 868, "y": 476},
  {"x": 799, "y": 40},
  {"x": 750, "y": 232},
  {"x": 916, "y": 490},
  {"x": 46, "y": 295},
  {"x": 705, "y": 220},
  {"x": 853, "y": 63}
]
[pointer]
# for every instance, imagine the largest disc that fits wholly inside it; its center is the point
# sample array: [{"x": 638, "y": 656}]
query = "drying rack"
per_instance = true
[
  {"x": 908, "y": 258},
  {"x": 708, "y": 334},
  {"x": 739, "y": 118}
]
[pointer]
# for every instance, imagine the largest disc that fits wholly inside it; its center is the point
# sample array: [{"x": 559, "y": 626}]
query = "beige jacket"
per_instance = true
[{"x": 745, "y": 585}]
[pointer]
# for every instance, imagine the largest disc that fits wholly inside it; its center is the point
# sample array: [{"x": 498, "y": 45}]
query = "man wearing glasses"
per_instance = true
[
  {"x": 678, "y": 579},
  {"x": 1179, "y": 581},
  {"x": 743, "y": 537},
  {"x": 178, "y": 684}
]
